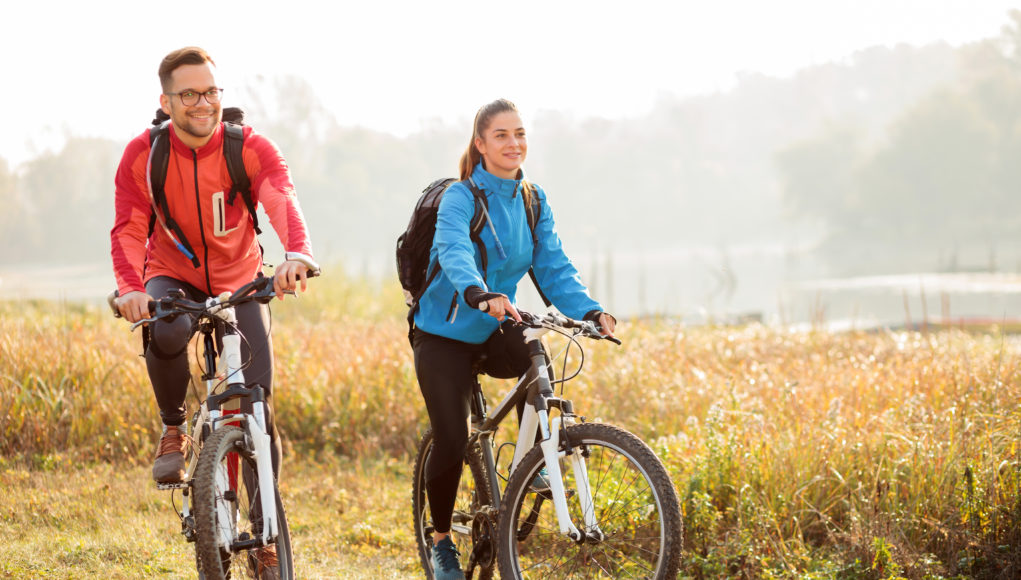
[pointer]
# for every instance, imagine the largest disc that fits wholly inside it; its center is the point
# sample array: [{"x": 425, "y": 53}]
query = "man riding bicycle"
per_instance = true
[{"x": 149, "y": 262}]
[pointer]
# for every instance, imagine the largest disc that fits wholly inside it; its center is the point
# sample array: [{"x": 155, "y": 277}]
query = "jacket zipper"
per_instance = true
[
  {"x": 452, "y": 313},
  {"x": 202, "y": 231}
]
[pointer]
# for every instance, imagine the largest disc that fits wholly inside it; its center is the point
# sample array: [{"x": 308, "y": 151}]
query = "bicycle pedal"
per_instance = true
[{"x": 182, "y": 485}]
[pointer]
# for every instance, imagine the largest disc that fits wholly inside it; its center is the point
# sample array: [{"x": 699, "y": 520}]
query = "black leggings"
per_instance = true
[
  {"x": 444, "y": 370},
  {"x": 166, "y": 354}
]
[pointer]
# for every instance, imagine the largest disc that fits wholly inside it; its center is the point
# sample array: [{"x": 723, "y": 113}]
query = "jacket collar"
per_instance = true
[
  {"x": 209, "y": 148},
  {"x": 505, "y": 187}
]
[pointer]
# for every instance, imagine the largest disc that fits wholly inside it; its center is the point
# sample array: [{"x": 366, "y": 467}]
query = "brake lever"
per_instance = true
[
  {"x": 143, "y": 321},
  {"x": 592, "y": 330}
]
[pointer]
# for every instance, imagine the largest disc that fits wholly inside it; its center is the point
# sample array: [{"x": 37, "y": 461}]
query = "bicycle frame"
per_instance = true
[
  {"x": 227, "y": 463},
  {"x": 222, "y": 406},
  {"x": 537, "y": 390}
]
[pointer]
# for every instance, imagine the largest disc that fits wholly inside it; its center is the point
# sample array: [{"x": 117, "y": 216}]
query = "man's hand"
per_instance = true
[
  {"x": 133, "y": 306},
  {"x": 287, "y": 276}
]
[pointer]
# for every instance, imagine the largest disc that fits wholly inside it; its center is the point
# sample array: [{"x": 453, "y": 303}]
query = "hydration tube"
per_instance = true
[{"x": 155, "y": 209}]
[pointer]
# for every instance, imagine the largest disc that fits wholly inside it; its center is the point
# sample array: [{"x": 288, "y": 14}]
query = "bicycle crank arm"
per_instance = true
[{"x": 461, "y": 529}]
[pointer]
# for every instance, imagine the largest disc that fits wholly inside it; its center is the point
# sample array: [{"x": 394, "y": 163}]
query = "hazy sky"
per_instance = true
[{"x": 89, "y": 68}]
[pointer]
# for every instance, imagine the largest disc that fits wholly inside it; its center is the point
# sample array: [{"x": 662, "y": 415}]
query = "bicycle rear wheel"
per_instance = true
[
  {"x": 472, "y": 532},
  {"x": 228, "y": 506},
  {"x": 635, "y": 506}
]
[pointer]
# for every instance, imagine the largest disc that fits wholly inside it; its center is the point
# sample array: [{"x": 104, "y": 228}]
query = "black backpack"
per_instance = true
[
  {"x": 414, "y": 243},
  {"x": 233, "y": 142}
]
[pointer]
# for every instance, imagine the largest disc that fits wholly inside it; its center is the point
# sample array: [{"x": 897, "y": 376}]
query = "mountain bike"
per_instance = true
[
  {"x": 610, "y": 509},
  {"x": 230, "y": 505}
]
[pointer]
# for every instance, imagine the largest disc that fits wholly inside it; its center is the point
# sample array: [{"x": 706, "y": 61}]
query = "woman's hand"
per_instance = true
[
  {"x": 500, "y": 307},
  {"x": 607, "y": 324},
  {"x": 604, "y": 320},
  {"x": 492, "y": 303}
]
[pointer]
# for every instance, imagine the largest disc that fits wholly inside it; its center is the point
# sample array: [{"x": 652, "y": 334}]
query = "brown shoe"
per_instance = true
[
  {"x": 169, "y": 464},
  {"x": 267, "y": 567}
]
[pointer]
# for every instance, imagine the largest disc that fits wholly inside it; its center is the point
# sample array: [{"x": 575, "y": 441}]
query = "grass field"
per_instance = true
[{"x": 796, "y": 455}]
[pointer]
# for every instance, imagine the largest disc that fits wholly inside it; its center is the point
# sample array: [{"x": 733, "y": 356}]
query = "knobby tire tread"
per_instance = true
[
  {"x": 219, "y": 443},
  {"x": 614, "y": 436}
]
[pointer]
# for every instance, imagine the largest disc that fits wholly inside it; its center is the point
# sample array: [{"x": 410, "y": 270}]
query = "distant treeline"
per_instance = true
[{"x": 899, "y": 158}]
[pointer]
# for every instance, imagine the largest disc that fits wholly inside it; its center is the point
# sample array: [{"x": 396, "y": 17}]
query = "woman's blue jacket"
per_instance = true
[{"x": 442, "y": 309}]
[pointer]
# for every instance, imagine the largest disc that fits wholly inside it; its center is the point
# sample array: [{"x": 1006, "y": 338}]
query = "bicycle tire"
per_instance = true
[
  {"x": 473, "y": 493},
  {"x": 636, "y": 507},
  {"x": 219, "y": 477}
]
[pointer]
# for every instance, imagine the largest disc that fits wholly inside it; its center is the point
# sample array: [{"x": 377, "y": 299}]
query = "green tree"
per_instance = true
[
  {"x": 13, "y": 209},
  {"x": 69, "y": 201},
  {"x": 943, "y": 179}
]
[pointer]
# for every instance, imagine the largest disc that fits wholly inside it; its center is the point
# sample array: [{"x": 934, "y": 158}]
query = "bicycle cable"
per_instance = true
[
  {"x": 200, "y": 363},
  {"x": 247, "y": 363},
  {"x": 496, "y": 460},
  {"x": 572, "y": 339}
]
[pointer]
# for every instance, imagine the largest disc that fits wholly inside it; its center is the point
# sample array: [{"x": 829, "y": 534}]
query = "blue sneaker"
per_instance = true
[
  {"x": 446, "y": 565},
  {"x": 540, "y": 483}
]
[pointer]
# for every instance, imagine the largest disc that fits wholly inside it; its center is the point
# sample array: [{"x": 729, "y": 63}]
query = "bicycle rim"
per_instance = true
[
  {"x": 635, "y": 506},
  {"x": 228, "y": 506}
]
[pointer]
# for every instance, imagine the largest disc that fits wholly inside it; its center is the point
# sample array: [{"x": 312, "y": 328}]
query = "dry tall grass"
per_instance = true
[{"x": 807, "y": 455}]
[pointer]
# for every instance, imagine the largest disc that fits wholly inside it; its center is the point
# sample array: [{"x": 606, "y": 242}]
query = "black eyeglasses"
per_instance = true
[{"x": 190, "y": 98}]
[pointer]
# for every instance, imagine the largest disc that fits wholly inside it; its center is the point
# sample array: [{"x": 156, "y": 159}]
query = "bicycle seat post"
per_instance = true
[
  {"x": 478, "y": 399},
  {"x": 478, "y": 403}
]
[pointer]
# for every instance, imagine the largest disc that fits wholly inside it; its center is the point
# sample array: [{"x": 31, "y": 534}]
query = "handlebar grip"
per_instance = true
[
  {"x": 306, "y": 260},
  {"x": 111, "y": 299}
]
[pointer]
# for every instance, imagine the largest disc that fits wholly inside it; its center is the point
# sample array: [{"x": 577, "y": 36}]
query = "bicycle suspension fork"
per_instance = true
[
  {"x": 257, "y": 430},
  {"x": 536, "y": 416}
]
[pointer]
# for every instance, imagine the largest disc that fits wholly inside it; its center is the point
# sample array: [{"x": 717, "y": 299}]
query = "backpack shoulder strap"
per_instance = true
[
  {"x": 478, "y": 222},
  {"x": 157, "y": 170},
  {"x": 159, "y": 160},
  {"x": 533, "y": 210},
  {"x": 233, "y": 146},
  {"x": 481, "y": 202}
]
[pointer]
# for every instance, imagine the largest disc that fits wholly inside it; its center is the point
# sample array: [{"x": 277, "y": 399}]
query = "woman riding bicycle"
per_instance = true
[{"x": 468, "y": 310}]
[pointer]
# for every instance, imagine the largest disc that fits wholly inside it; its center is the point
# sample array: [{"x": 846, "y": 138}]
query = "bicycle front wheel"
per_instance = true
[
  {"x": 638, "y": 531},
  {"x": 473, "y": 533},
  {"x": 228, "y": 513}
]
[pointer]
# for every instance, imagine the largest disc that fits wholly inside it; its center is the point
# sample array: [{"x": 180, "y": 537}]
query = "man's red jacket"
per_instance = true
[{"x": 221, "y": 234}]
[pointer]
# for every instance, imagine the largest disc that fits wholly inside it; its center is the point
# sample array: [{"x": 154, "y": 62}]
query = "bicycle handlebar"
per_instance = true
[
  {"x": 554, "y": 321},
  {"x": 260, "y": 290}
]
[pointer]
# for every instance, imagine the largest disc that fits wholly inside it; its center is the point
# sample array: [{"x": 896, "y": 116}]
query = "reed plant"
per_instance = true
[{"x": 796, "y": 454}]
